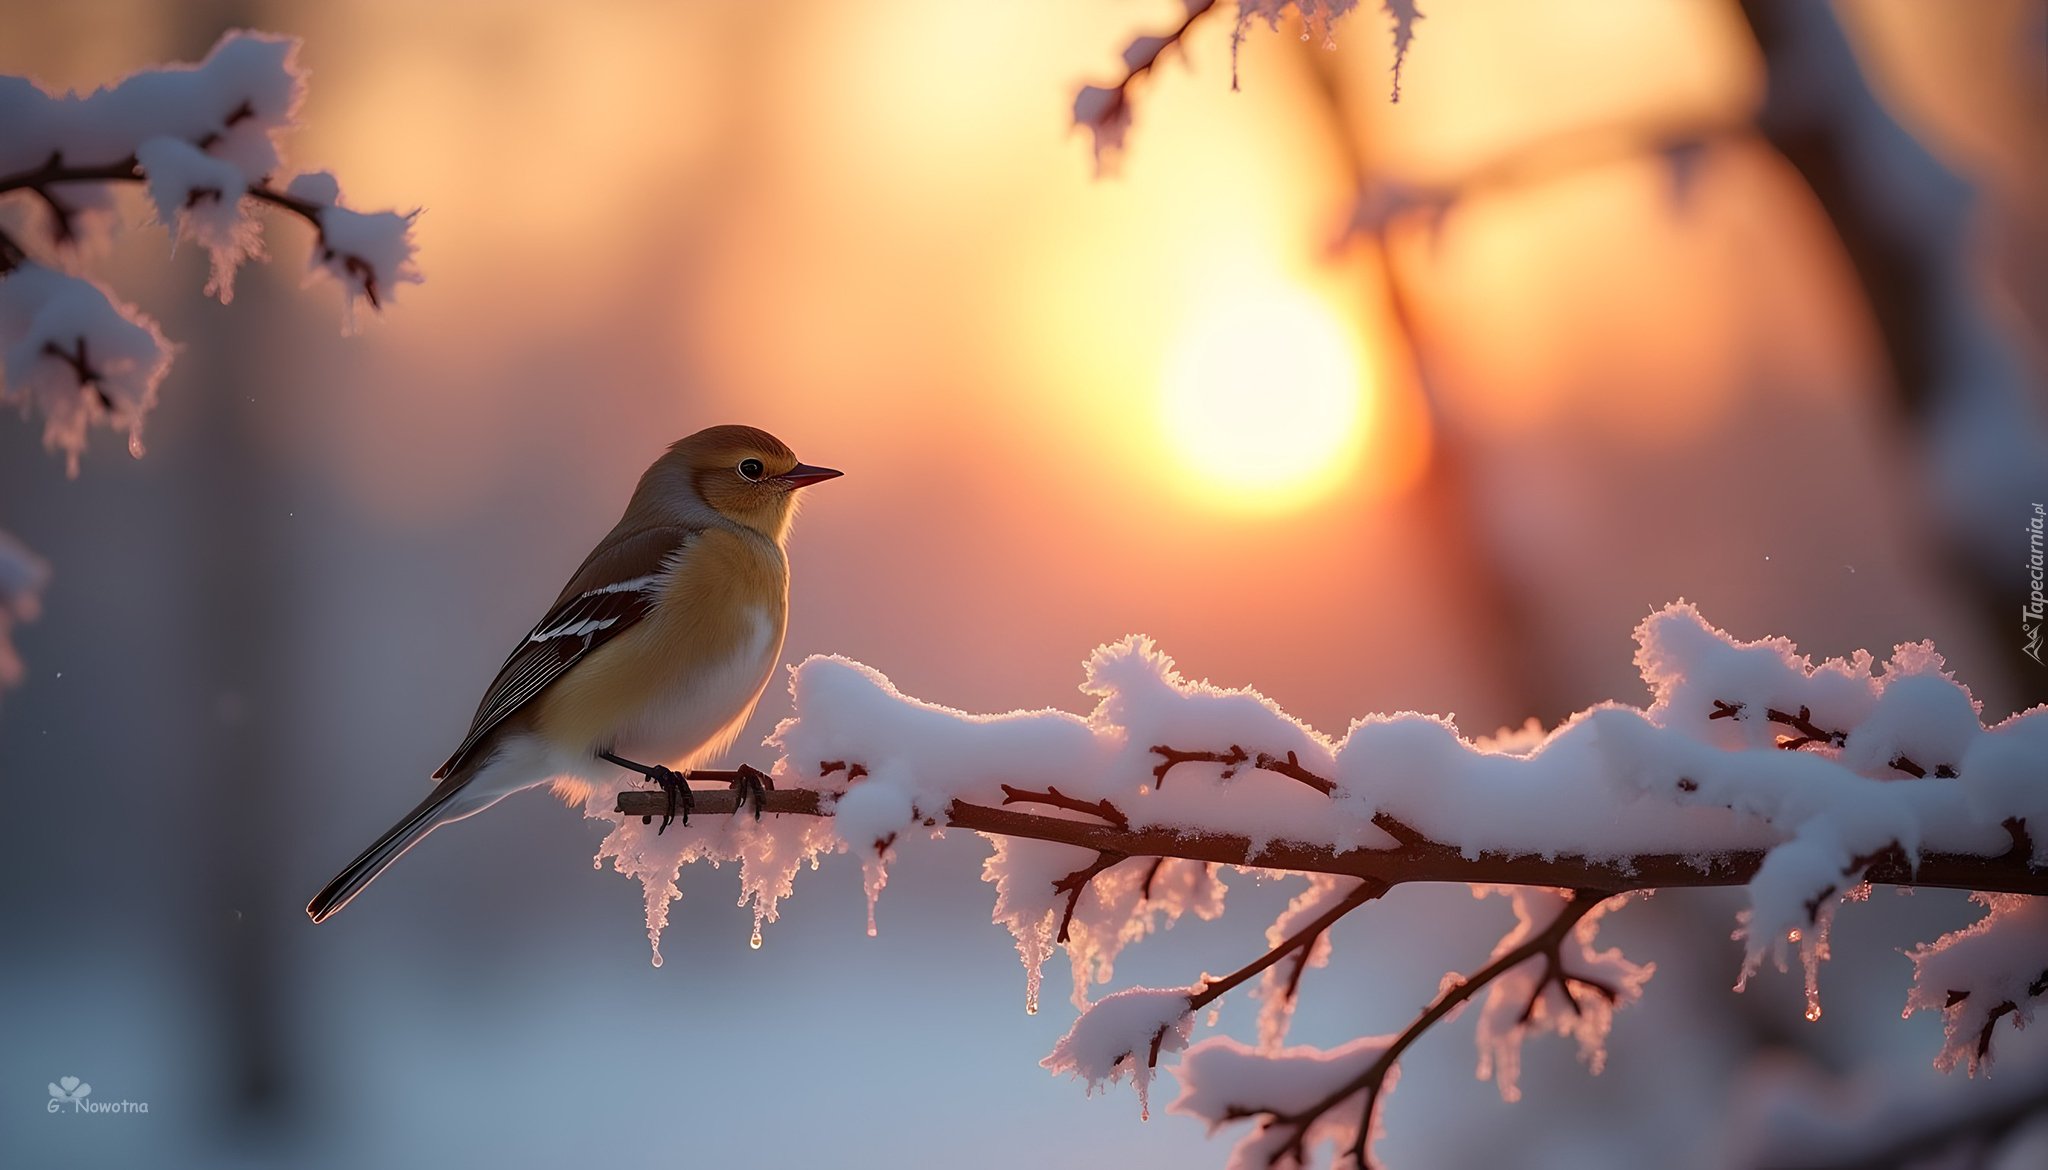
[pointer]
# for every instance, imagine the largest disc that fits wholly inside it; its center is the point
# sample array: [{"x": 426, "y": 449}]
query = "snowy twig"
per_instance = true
[
  {"x": 1546, "y": 944},
  {"x": 1290, "y": 768},
  {"x": 1106, "y": 110},
  {"x": 128, "y": 170},
  {"x": 1812, "y": 733}
]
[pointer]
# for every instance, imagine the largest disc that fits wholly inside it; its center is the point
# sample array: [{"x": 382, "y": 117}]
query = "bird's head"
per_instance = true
[{"x": 742, "y": 473}]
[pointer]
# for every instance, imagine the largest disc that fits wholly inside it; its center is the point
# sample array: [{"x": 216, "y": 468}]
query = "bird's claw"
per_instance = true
[
  {"x": 752, "y": 784},
  {"x": 677, "y": 785}
]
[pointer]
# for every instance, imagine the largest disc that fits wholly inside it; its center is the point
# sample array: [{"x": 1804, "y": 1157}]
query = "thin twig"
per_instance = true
[
  {"x": 1812, "y": 733},
  {"x": 1300, "y": 943},
  {"x": 1303, "y": 941},
  {"x": 1171, "y": 758},
  {"x": 55, "y": 170},
  {"x": 1371, "y": 1082},
  {"x": 1074, "y": 883},
  {"x": 1057, "y": 799},
  {"x": 1119, "y": 94},
  {"x": 1290, "y": 767}
]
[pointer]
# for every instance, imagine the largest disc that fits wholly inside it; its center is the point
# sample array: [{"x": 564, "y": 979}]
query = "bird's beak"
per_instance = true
[{"x": 803, "y": 474}]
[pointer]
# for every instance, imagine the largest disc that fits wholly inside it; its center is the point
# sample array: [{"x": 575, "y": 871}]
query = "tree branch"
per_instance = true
[
  {"x": 1372, "y": 1081},
  {"x": 1424, "y": 861},
  {"x": 1303, "y": 941},
  {"x": 54, "y": 171}
]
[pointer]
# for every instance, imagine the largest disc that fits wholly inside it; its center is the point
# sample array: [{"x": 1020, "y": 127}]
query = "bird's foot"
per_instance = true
[
  {"x": 752, "y": 784},
  {"x": 677, "y": 785}
]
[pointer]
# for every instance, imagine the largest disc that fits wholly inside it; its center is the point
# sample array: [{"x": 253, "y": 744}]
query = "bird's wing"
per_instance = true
[{"x": 615, "y": 588}]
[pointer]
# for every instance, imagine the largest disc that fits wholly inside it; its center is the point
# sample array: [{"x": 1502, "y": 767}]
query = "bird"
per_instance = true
[{"x": 652, "y": 657}]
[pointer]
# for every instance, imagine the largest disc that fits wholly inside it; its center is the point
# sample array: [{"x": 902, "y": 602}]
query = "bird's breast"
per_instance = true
[
  {"x": 676, "y": 687},
  {"x": 695, "y": 712}
]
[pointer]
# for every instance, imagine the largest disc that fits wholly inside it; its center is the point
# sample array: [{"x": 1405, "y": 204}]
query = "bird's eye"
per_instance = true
[{"x": 751, "y": 468}]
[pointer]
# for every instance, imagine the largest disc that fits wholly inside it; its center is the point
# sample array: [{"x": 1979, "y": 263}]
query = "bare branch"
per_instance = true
[
  {"x": 1053, "y": 796},
  {"x": 1301, "y": 942},
  {"x": 1289, "y": 767},
  {"x": 1171, "y": 758},
  {"x": 1074, "y": 883}
]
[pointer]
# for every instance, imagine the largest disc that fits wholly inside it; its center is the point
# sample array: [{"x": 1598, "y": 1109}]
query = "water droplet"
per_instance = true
[
  {"x": 1792, "y": 935},
  {"x": 755, "y": 942},
  {"x": 1145, "y": 1114},
  {"x": 135, "y": 446},
  {"x": 871, "y": 930},
  {"x": 1031, "y": 1000},
  {"x": 657, "y": 958},
  {"x": 1812, "y": 1012}
]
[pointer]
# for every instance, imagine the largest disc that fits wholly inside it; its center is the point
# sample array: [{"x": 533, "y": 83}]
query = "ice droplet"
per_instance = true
[
  {"x": 135, "y": 446},
  {"x": 1792, "y": 935},
  {"x": 1812, "y": 1012},
  {"x": 755, "y": 942},
  {"x": 1031, "y": 998},
  {"x": 871, "y": 924},
  {"x": 657, "y": 958}
]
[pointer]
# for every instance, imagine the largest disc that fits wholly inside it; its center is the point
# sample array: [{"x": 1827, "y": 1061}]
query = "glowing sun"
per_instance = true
[{"x": 1263, "y": 397}]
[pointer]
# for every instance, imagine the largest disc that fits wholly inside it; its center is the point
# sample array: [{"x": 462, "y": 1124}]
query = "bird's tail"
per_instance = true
[{"x": 440, "y": 807}]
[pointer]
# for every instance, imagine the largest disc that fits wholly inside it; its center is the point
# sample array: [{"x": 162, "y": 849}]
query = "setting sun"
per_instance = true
[{"x": 1263, "y": 396}]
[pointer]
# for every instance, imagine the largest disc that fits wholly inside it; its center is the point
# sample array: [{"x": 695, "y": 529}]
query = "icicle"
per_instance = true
[{"x": 874, "y": 875}]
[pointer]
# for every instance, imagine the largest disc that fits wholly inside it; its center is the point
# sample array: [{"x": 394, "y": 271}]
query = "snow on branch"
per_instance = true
[
  {"x": 204, "y": 140},
  {"x": 1105, "y": 110},
  {"x": 1752, "y": 766}
]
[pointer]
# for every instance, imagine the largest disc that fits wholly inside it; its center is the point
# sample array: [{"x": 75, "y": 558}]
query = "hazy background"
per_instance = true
[{"x": 869, "y": 228}]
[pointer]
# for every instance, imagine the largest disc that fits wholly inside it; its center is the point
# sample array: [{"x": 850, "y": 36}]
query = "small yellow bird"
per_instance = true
[{"x": 657, "y": 650}]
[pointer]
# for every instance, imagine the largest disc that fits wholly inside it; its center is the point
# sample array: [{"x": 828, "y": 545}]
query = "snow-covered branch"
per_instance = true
[
  {"x": 2013, "y": 871},
  {"x": 204, "y": 140},
  {"x": 1753, "y": 766}
]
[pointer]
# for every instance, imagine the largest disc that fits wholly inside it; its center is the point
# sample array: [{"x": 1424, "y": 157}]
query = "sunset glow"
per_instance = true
[{"x": 1262, "y": 397}]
